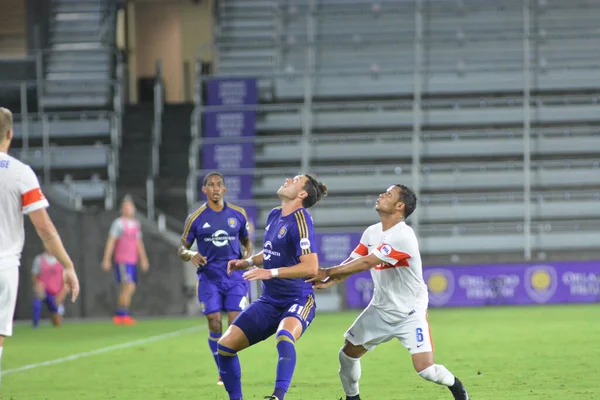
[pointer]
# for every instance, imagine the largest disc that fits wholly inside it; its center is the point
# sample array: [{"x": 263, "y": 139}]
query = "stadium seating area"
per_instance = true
[
  {"x": 352, "y": 63},
  {"x": 71, "y": 135}
]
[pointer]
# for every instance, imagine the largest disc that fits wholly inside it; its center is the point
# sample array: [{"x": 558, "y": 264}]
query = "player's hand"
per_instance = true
[
  {"x": 236, "y": 265},
  {"x": 198, "y": 260},
  {"x": 321, "y": 276},
  {"x": 327, "y": 283},
  {"x": 106, "y": 265},
  {"x": 145, "y": 265},
  {"x": 71, "y": 282},
  {"x": 256, "y": 274}
]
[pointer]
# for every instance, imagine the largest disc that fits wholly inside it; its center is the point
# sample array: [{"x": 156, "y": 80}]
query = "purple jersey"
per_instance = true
[
  {"x": 217, "y": 234},
  {"x": 285, "y": 240}
]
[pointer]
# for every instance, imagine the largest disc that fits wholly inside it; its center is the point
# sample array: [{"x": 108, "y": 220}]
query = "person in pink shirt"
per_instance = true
[
  {"x": 47, "y": 274},
  {"x": 125, "y": 240}
]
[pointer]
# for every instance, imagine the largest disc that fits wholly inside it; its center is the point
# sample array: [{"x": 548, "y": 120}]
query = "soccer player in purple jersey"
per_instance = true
[
  {"x": 218, "y": 228},
  {"x": 287, "y": 304}
]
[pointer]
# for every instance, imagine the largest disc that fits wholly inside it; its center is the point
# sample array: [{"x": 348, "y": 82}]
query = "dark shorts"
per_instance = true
[
  {"x": 261, "y": 319},
  {"x": 126, "y": 273},
  {"x": 217, "y": 296}
]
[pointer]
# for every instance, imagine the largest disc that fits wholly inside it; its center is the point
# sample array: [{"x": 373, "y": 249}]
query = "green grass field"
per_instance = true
[{"x": 499, "y": 353}]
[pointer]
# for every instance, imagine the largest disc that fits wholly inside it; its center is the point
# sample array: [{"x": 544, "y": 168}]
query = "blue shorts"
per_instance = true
[
  {"x": 126, "y": 273},
  {"x": 50, "y": 301},
  {"x": 221, "y": 296},
  {"x": 261, "y": 319}
]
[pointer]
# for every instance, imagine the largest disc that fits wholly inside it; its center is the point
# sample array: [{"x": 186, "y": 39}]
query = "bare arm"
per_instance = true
[
  {"x": 353, "y": 267},
  {"x": 247, "y": 245},
  {"x": 37, "y": 286},
  {"x": 143, "y": 256},
  {"x": 244, "y": 265},
  {"x": 108, "y": 251},
  {"x": 329, "y": 282},
  {"x": 307, "y": 268},
  {"x": 50, "y": 237}
]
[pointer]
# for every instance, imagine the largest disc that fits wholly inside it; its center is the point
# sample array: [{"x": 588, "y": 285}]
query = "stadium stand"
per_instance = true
[
  {"x": 71, "y": 134},
  {"x": 348, "y": 65}
]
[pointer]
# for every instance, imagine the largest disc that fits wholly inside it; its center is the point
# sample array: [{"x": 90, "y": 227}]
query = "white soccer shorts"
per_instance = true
[
  {"x": 370, "y": 330},
  {"x": 9, "y": 286}
]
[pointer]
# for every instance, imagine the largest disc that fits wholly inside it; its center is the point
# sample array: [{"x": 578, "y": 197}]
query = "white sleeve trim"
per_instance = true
[{"x": 36, "y": 206}]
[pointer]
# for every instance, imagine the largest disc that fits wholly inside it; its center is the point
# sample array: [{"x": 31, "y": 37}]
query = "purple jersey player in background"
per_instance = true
[
  {"x": 218, "y": 228},
  {"x": 287, "y": 304},
  {"x": 125, "y": 238}
]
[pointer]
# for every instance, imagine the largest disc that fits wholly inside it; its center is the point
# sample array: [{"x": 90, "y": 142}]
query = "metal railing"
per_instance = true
[
  {"x": 156, "y": 140},
  {"x": 27, "y": 115}
]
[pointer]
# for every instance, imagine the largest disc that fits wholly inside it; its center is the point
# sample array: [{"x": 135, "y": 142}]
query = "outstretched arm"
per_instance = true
[
  {"x": 329, "y": 282},
  {"x": 343, "y": 271},
  {"x": 306, "y": 268},
  {"x": 244, "y": 265}
]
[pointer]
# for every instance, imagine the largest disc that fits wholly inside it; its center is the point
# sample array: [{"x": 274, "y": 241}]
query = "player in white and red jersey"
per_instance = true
[
  {"x": 20, "y": 194},
  {"x": 399, "y": 306}
]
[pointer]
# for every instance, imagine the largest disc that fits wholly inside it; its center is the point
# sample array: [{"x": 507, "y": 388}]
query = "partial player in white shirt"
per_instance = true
[
  {"x": 399, "y": 306},
  {"x": 20, "y": 194}
]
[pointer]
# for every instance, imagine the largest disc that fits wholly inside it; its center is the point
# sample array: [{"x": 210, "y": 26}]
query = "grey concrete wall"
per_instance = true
[{"x": 160, "y": 291}]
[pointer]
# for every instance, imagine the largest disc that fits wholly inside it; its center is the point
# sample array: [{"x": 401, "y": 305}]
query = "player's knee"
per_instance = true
[
  {"x": 352, "y": 351},
  {"x": 429, "y": 373},
  {"x": 224, "y": 350},
  {"x": 214, "y": 325}
]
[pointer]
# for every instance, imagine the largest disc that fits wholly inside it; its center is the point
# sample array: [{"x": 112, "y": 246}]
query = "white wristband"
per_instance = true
[
  {"x": 250, "y": 261},
  {"x": 274, "y": 272}
]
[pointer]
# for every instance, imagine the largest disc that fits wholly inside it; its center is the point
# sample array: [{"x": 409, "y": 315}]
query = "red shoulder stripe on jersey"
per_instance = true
[
  {"x": 388, "y": 251},
  {"x": 33, "y": 196},
  {"x": 361, "y": 250}
]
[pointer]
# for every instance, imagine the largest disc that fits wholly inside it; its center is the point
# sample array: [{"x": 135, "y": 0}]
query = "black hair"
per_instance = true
[
  {"x": 409, "y": 198},
  {"x": 210, "y": 174},
  {"x": 315, "y": 189}
]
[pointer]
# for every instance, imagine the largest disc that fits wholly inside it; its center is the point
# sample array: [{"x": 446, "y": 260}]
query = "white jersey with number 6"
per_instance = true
[
  {"x": 398, "y": 280},
  {"x": 20, "y": 194}
]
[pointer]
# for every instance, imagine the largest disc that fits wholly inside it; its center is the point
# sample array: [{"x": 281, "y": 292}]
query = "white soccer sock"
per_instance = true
[
  {"x": 349, "y": 373},
  {"x": 439, "y": 374}
]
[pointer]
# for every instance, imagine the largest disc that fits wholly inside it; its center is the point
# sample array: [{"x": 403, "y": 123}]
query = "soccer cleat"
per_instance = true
[
  {"x": 220, "y": 382},
  {"x": 128, "y": 320},
  {"x": 459, "y": 391},
  {"x": 271, "y": 398},
  {"x": 118, "y": 320}
]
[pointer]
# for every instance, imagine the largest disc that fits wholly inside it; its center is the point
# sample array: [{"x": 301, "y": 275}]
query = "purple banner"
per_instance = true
[
  {"x": 335, "y": 248},
  {"x": 544, "y": 283},
  {"x": 359, "y": 290},
  {"x": 228, "y": 153},
  {"x": 228, "y": 156},
  {"x": 230, "y": 124},
  {"x": 486, "y": 285},
  {"x": 232, "y": 91}
]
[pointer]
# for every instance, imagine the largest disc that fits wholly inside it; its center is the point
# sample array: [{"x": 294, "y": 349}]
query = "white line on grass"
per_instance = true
[{"x": 106, "y": 349}]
